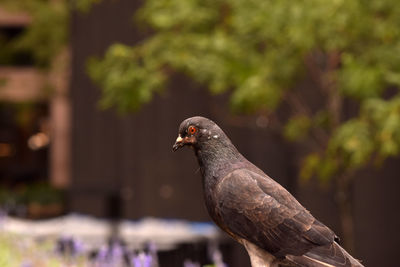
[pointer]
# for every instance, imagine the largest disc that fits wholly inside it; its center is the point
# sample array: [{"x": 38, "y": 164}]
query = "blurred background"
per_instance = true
[{"x": 92, "y": 93}]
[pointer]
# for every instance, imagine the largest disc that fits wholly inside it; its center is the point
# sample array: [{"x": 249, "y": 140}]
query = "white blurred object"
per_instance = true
[{"x": 165, "y": 234}]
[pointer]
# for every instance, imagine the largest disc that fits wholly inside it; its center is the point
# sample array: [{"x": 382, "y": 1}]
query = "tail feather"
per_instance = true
[{"x": 331, "y": 255}]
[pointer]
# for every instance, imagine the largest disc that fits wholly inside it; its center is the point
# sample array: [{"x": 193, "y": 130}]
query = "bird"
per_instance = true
[{"x": 255, "y": 210}]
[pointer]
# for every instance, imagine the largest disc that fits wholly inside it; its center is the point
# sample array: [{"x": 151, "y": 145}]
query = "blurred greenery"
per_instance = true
[
  {"x": 258, "y": 51},
  {"x": 334, "y": 66},
  {"x": 20, "y": 251},
  {"x": 47, "y": 34},
  {"x": 13, "y": 199},
  {"x": 43, "y": 37}
]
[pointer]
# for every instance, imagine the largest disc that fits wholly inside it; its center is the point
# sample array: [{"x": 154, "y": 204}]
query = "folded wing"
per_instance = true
[{"x": 256, "y": 208}]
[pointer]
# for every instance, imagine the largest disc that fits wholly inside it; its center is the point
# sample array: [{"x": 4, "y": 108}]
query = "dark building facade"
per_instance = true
[{"x": 123, "y": 165}]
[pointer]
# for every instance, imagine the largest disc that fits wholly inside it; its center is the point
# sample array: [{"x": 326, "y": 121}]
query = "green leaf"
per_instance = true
[
  {"x": 309, "y": 166},
  {"x": 354, "y": 141},
  {"x": 297, "y": 128},
  {"x": 360, "y": 80}
]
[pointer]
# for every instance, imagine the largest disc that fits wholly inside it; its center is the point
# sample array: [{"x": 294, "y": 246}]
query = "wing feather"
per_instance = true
[{"x": 261, "y": 211}]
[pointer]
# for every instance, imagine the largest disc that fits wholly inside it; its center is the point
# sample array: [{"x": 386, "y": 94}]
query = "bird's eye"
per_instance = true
[{"x": 192, "y": 130}]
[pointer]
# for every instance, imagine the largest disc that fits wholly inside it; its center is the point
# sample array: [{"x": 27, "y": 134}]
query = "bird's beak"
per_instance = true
[{"x": 178, "y": 143}]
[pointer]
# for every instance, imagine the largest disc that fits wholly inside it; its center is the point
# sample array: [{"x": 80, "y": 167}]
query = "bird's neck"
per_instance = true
[{"x": 215, "y": 159}]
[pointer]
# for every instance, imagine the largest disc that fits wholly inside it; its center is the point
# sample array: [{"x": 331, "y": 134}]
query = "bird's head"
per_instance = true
[{"x": 197, "y": 131}]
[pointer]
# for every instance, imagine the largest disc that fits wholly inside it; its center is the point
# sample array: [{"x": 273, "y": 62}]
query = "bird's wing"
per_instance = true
[
  {"x": 331, "y": 255},
  {"x": 256, "y": 208}
]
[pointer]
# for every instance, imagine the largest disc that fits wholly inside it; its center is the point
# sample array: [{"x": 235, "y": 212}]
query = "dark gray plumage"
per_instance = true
[{"x": 254, "y": 209}]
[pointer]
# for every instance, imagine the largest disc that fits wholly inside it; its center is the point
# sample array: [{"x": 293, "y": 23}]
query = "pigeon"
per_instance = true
[{"x": 256, "y": 211}]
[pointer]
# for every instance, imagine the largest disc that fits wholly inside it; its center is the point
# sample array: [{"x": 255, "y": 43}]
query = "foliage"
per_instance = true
[
  {"x": 259, "y": 51},
  {"x": 45, "y": 35},
  {"x": 16, "y": 200},
  {"x": 83, "y": 5},
  {"x": 17, "y": 251}
]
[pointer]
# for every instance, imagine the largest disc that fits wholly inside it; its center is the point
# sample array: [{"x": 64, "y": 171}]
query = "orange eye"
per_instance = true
[{"x": 192, "y": 130}]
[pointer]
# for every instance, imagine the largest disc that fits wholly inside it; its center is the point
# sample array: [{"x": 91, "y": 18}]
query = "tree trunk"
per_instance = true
[{"x": 344, "y": 200}]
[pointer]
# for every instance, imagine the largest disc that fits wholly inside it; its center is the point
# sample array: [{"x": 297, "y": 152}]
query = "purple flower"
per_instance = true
[
  {"x": 147, "y": 260},
  {"x": 77, "y": 247},
  {"x": 102, "y": 254},
  {"x": 142, "y": 260},
  {"x": 116, "y": 252},
  {"x": 135, "y": 261}
]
